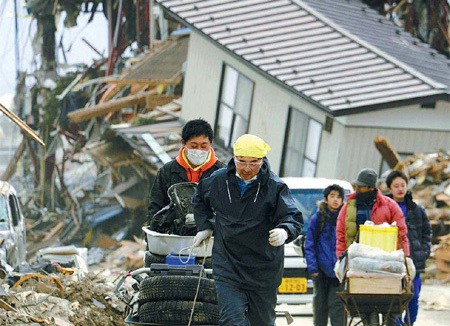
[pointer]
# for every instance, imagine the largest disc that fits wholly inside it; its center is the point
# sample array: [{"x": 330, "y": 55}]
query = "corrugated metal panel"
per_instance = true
[
  {"x": 164, "y": 65},
  {"x": 306, "y": 52},
  {"x": 359, "y": 150}
]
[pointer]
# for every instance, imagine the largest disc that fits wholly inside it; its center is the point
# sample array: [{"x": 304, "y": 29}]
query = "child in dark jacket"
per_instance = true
[
  {"x": 320, "y": 253},
  {"x": 419, "y": 232}
]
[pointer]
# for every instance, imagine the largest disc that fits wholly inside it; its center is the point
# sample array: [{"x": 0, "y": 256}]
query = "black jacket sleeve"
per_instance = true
[
  {"x": 203, "y": 213},
  {"x": 158, "y": 195},
  {"x": 426, "y": 232},
  {"x": 287, "y": 215}
]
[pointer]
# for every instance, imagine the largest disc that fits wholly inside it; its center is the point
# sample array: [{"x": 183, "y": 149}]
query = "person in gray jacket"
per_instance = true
[{"x": 252, "y": 214}]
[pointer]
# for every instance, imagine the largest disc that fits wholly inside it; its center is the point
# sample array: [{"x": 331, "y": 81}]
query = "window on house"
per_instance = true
[
  {"x": 234, "y": 107},
  {"x": 302, "y": 142}
]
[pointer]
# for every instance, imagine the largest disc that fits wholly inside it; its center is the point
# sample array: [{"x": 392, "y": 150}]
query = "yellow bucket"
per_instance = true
[{"x": 379, "y": 236}]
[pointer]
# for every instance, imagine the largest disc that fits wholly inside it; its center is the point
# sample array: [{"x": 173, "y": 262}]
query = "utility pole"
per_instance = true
[
  {"x": 16, "y": 33},
  {"x": 46, "y": 24}
]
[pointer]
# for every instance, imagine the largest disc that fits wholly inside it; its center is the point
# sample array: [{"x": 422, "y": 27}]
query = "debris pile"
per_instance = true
[
  {"x": 430, "y": 176},
  {"x": 49, "y": 294},
  {"x": 440, "y": 267},
  {"x": 75, "y": 302},
  {"x": 105, "y": 146},
  {"x": 429, "y": 182}
]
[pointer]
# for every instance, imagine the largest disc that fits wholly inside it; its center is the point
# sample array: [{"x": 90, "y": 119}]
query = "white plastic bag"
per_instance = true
[
  {"x": 341, "y": 266},
  {"x": 369, "y": 265},
  {"x": 366, "y": 251}
]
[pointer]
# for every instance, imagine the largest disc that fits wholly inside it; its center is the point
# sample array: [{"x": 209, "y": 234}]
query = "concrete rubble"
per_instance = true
[{"x": 79, "y": 300}]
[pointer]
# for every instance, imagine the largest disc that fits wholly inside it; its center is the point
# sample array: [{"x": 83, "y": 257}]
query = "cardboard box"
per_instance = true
[{"x": 374, "y": 285}]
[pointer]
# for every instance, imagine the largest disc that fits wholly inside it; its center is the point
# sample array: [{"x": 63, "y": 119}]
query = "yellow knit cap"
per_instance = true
[{"x": 251, "y": 146}]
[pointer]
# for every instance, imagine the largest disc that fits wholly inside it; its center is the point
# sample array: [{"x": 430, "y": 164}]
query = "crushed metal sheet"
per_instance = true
[{"x": 162, "y": 66}]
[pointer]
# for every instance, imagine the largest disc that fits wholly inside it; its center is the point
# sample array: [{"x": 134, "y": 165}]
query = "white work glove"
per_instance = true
[
  {"x": 202, "y": 236},
  {"x": 277, "y": 237}
]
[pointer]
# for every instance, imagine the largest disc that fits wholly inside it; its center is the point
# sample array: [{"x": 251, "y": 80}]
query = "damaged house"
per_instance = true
[{"x": 318, "y": 80}]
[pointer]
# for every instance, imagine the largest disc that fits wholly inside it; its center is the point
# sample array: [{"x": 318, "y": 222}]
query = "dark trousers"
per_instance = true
[
  {"x": 239, "y": 307},
  {"x": 326, "y": 301}
]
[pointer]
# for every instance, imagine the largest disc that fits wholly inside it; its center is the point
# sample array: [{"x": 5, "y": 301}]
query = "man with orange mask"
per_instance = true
[
  {"x": 196, "y": 160},
  {"x": 252, "y": 214}
]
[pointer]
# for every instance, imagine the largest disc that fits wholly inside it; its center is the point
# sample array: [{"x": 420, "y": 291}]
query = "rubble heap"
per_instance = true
[
  {"x": 429, "y": 183},
  {"x": 440, "y": 253},
  {"x": 80, "y": 302}
]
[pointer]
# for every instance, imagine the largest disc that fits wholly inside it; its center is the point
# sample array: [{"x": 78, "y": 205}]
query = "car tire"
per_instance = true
[
  {"x": 150, "y": 258},
  {"x": 177, "y": 287},
  {"x": 175, "y": 312}
]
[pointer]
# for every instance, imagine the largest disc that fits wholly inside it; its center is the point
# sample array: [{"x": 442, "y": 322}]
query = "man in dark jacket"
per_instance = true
[
  {"x": 419, "y": 232},
  {"x": 196, "y": 160},
  {"x": 320, "y": 254},
  {"x": 252, "y": 214}
]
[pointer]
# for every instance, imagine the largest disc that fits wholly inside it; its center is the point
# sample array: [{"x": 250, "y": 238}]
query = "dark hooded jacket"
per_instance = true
[
  {"x": 419, "y": 232},
  {"x": 242, "y": 254},
  {"x": 168, "y": 175}
]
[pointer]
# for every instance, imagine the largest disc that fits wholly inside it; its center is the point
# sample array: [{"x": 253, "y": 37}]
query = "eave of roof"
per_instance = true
[{"x": 300, "y": 49}]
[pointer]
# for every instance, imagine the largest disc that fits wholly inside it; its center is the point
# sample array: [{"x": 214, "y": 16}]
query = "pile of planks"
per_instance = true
[
  {"x": 441, "y": 254},
  {"x": 429, "y": 182}
]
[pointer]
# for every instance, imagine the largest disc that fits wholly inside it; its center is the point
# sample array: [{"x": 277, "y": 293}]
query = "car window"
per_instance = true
[
  {"x": 14, "y": 212},
  {"x": 306, "y": 200},
  {"x": 3, "y": 214}
]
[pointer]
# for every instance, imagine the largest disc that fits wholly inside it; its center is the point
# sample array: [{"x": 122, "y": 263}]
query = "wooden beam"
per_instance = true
[
  {"x": 21, "y": 124},
  {"x": 175, "y": 80},
  {"x": 154, "y": 101},
  {"x": 103, "y": 108},
  {"x": 387, "y": 152}
]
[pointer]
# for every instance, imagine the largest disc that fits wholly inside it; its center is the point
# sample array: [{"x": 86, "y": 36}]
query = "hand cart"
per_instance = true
[{"x": 389, "y": 305}]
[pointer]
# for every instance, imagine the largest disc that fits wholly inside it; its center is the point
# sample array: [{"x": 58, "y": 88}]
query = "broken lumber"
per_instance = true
[
  {"x": 14, "y": 118},
  {"x": 103, "y": 108},
  {"x": 387, "y": 152}
]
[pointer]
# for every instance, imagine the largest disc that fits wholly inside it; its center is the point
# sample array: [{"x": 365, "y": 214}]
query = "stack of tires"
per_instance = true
[{"x": 168, "y": 300}]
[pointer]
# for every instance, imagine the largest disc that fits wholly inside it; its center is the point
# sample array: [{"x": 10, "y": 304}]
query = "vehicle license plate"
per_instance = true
[{"x": 293, "y": 285}]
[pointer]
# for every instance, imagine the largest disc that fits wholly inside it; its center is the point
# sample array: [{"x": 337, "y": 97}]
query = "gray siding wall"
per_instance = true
[
  {"x": 270, "y": 105},
  {"x": 359, "y": 151}
]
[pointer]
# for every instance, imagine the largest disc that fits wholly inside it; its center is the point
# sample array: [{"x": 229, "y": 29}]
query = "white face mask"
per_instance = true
[{"x": 196, "y": 156}]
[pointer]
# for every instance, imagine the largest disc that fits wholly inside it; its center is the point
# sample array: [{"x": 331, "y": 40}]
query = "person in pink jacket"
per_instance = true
[{"x": 368, "y": 203}]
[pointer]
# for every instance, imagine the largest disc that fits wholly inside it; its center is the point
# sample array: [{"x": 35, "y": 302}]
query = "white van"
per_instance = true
[{"x": 297, "y": 285}]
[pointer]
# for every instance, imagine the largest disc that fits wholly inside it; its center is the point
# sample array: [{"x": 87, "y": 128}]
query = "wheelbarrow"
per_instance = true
[{"x": 389, "y": 305}]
